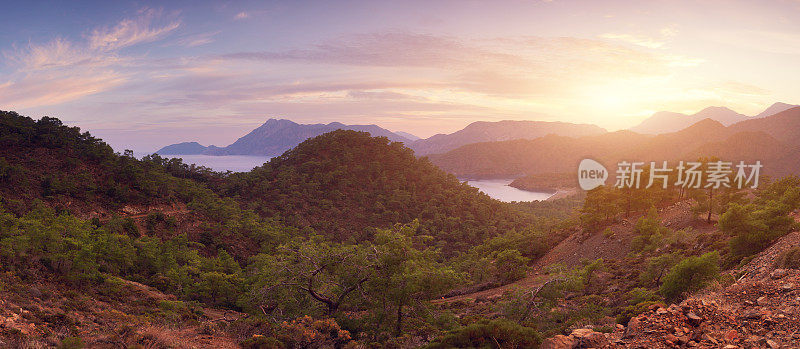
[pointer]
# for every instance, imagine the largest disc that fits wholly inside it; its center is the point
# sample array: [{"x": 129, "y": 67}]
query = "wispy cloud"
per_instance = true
[
  {"x": 62, "y": 70},
  {"x": 196, "y": 39},
  {"x": 132, "y": 31},
  {"x": 241, "y": 15},
  {"x": 640, "y": 40}
]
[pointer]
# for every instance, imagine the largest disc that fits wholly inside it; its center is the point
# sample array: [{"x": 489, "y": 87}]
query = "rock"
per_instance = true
[
  {"x": 34, "y": 292},
  {"x": 694, "y": 320},
  {"x": 751, "y": 314},
  {"x": 672, "y": 338},
  {"x": 778, "y": 274},
  {"x": 762, "y": 301},
  {"x": 772, "y": 344},
  {"x": 558, "y": 342},
  {"x": 731, "y": 335},
  {"x": 710, "y": 339},
  {"x": 787, "y": 287},
  {"x": 590, "y": 339},
  {"x": 581, "y": 332},
  {"x": 634, "y": 328},
  {"x": 661, "y": 311}
]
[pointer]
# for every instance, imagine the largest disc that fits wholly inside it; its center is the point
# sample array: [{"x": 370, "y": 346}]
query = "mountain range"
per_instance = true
[
  {"x": 483, "y": 131},
  {"x": 773, "y": 140},
  {"x": 277, "y": 136},
  {"x": 665, "y": 121}
]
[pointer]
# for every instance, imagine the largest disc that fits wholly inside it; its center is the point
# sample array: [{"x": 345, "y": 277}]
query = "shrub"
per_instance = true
[
  {"x": 510, "y": 266},
  {"x": 650, "y": 234},
  {"x": 71, "y": 343},
  {"x": 262, "y": 342},
  {"x": 790, "y": 259},
  {"x": 306, "y": 332},
  {"x": 633, "y": 310},
  {"x": 690, "y": 274},
  {"x": 489, "y": 334}
]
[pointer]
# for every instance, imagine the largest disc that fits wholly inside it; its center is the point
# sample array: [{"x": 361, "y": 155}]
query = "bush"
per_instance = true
[
  {"x": 633, "y": 310},
  {"x": 306, "y": 332},
  {"x": 71, "y": 343},
  {"x": 489, "y": 334},
  {"x": 790, "y": 259},
  {"x": 262, "y": 342},
  {"x": 689, "y": 275},
  {"x": 511, "y": 266}
]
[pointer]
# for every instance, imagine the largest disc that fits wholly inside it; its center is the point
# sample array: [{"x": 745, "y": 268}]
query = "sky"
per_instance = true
[{"x": 144, "y": 74}]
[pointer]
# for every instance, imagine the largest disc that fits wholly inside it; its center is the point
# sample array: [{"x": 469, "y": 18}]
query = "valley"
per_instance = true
[{"x": 351, "y": 240}]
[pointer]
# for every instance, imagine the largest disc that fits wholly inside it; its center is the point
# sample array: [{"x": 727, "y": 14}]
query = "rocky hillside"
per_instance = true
[{"x": 760, "y": 310}]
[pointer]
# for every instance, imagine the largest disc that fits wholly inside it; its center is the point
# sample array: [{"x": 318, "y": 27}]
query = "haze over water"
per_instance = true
[{"x": 500, "y": 190}]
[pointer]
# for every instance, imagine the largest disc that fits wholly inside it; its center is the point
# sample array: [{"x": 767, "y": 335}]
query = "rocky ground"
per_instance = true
[
  {"x": 760, "y": 310},
  {"x": 121, "y": 314}
]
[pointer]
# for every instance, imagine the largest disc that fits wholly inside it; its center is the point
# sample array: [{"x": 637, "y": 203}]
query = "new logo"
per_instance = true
[{"x": 591, "y": 174}]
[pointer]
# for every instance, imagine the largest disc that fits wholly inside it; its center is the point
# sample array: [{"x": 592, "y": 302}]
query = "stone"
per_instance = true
[
  {"x": 557, "y": 342},
  {"x": 778, "y": 274},
  {"x": 693, "y": 317},
  {"x": 581, "y": 332},
  {"x": 731, "y": 335},
  {"x": 772, "y": 344},
  {"x": 591, "y": 340},
  {"x": 34, "y": 292},
  {"x": 751, "y": 314},
  {"x": 633, "y": 329}
]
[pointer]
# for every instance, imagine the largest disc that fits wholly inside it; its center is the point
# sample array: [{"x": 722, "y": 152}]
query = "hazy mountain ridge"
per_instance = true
[
  {"x": 274, "y": 137},
  {"x": 485, "y": 131},
  {"x": 666, "y": 122},
  {"x": 772, "y": 140}
]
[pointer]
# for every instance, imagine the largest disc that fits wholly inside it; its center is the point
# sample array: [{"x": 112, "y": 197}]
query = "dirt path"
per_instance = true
[{"x": 529, "y": 282}]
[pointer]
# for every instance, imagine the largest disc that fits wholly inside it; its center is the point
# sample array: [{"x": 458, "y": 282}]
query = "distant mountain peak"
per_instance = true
[
  {"x": 490, "y": 131},
  {"x": 775, "y": 108},
  {"x": 713, "y": 109},
  {"x": 706, "y": 124}
]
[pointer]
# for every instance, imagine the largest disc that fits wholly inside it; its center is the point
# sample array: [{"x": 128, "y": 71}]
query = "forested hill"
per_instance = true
[
  {"x": 45, "y": 160},
  {"x": 343, "y": 182}
]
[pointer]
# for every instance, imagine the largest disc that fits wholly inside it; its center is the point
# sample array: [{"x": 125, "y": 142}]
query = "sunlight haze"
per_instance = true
[{"x": 145, "y": 74}]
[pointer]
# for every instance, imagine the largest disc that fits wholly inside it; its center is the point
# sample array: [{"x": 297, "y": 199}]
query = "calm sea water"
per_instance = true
[
  {"x": 235, "y": 163},
  {"x": 500, "y": 190}
]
